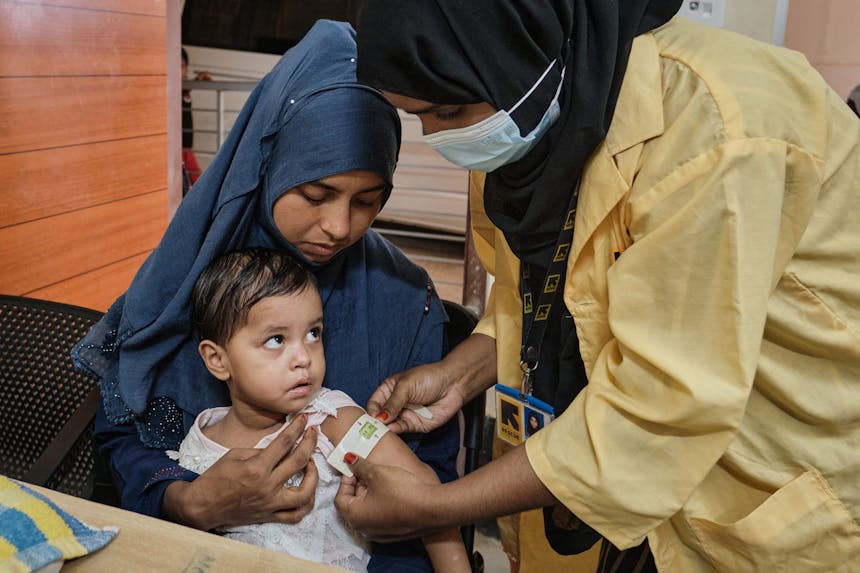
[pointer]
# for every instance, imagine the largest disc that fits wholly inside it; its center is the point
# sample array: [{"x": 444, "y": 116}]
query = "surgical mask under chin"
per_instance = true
[{"x": 496, "y": 140}]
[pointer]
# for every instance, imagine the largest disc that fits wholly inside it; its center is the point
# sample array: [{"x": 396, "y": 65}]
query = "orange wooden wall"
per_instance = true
[{"x": 83, "y": 145}]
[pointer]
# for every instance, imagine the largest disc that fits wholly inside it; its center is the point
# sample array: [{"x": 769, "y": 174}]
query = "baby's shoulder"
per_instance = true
[
  {"x": 333, "y": 411},
  {"x": 329, "y": 399},
  {"x": 335, "y": 427}
]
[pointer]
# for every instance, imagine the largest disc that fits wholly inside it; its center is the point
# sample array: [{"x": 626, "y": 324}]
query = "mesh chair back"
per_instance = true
[
  {"x": 461, "y": 323},
  {"x": 40, "y": 389}
]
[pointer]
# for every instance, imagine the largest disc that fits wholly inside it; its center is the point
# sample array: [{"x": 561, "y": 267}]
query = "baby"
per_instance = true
[{"x": 259, "y": 317}]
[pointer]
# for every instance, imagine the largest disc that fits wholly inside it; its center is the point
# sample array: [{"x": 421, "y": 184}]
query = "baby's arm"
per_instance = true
[{"x": 446, "y": 550}]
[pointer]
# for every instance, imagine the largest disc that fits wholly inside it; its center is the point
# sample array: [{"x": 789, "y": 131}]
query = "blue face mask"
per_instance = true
[{"x": 496, "y": 140}]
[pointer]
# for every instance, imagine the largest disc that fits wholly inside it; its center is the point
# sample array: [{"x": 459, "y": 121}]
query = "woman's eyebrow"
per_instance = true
[
  {"x": 322, "y": 185},
  {"x": 374, "y": 189},
  {"x": 327, "y": 187}
]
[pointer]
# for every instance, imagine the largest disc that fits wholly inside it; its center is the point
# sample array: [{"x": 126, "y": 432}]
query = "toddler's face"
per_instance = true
[{"x": 276, "y": 359}]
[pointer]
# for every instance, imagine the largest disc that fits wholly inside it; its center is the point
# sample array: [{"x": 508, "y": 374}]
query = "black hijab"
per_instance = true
[{"x": 469, "y": 51}]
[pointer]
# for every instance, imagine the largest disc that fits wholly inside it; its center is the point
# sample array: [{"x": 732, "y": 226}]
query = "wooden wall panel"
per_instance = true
[
  {"x": 54, "y": 249},
  {"x": 149, "y": 7},
  {"x": 86, "y": 175},
  {"x": 41, "y": 113},
  {"x": 96, "y": 289},
  {"x": 83, "y": 144},
  {"x": 42, "y": 40}
]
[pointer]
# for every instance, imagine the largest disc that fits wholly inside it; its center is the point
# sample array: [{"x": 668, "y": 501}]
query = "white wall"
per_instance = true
[{"x": 760, "y": 19}]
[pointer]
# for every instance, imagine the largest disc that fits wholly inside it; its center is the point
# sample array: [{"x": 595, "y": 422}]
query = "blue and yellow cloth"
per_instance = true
[{"x": 35, "y": 532}]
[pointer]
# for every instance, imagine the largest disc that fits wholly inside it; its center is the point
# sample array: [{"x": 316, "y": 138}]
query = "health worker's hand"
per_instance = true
[
  {"x": 247, "y": 485},
  {"x": 428, "y": 385},
  {"x": 443, "y": 387},
  {"x": 386, "y": 503}
]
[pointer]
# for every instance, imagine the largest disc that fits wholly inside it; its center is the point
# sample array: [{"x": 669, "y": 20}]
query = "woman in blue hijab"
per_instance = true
[{"x": 306, "y": 168}]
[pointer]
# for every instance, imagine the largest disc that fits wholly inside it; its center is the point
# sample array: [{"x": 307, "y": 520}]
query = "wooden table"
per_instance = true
[{"x": 145, "y": 544}]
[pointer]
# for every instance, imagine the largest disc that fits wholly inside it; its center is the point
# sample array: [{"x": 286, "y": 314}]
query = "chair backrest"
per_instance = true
[
  {"x": 45, "y": 434},
  {"x": 461, "y": 323}
]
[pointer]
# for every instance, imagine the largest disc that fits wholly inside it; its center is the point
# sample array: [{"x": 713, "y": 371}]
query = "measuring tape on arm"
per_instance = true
[{"x": 360, "y": 439}]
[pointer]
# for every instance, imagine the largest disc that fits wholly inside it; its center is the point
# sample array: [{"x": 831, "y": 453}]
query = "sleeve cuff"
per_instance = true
[{"x": 150, "y": 499}]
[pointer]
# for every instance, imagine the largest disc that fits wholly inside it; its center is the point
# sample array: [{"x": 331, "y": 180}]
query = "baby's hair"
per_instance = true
[{"x": 233, "y": 283}]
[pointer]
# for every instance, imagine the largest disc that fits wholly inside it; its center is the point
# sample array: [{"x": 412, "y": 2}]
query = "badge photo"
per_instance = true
[{"x": 519, "y": 416}]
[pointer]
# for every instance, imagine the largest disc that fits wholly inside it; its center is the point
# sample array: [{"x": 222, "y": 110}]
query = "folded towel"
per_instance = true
[{"x": 35, "y": 532}]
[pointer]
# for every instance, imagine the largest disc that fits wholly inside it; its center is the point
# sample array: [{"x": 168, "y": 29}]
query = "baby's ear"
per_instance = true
[{"x": 215, "y": 359}]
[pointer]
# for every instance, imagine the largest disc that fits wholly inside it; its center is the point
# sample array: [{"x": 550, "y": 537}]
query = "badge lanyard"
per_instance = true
[{"x": 519, "y": 414}]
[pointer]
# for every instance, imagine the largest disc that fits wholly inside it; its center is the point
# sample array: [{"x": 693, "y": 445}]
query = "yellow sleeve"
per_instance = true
[
  {"x": 484, "y": 237},
  {"x": 483, "y": 231},
  {"x": 502, "y": 318},
  {"x": 687, "y": 308}
]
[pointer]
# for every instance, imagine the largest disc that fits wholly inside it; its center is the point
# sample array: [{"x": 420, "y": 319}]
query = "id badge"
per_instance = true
[{"x": 519, "y": 416}]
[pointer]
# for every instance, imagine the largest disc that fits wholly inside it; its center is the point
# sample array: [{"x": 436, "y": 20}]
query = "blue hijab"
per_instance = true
[{"x": 307, "y": 119}]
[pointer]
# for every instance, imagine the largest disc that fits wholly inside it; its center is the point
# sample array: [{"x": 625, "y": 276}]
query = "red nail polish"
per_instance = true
[
  {"x": 382, "y": 416},
  {"x": 350, "y": 458}
]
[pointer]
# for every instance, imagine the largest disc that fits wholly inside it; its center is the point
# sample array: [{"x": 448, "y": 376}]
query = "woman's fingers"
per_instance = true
[
  {"x": 379, "y": 400},
  {"x": 247, "y": 485},
  {"x": 296, "y": 460},
  {"x": 281, "y": 446},
  {"x": 297, "y": 501},
  {"x": 420, "y": 386},
  {"x": 382, "y": 502},
  {"x": 388, "y": 401},
  {"x": 348, "y": 493}
]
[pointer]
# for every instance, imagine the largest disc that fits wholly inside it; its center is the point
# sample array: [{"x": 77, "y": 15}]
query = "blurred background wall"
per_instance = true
[
  {"x": 90, "y": 129},
  {"x": 84, "y": 160}
]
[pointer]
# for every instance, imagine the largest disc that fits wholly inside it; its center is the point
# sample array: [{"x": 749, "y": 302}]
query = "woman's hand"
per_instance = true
[
  {"x": 386, "y": 503},
  {"x": 429, "y": 385},
  {"x": 444, "y": 387},
  {"x": 247, "y": 485}
]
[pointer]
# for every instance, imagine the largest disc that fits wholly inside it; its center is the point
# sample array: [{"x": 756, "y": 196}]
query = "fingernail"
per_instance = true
[
  {"x": 382, "y": 416},
  {"x": 350, "y": 458}
]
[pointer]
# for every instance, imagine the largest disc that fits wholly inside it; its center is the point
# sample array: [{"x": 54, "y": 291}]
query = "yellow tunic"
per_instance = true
[{"x": 722, "y": 415}]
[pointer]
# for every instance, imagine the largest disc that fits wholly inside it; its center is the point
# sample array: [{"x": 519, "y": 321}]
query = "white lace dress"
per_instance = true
[{"x": 321, "y": 536}]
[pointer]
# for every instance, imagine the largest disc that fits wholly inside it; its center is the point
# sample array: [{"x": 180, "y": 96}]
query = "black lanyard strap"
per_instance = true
[{"x": 535, "y": 317}]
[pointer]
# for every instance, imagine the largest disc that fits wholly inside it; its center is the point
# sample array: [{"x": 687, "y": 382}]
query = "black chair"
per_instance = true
[
  {"x": 461, "y": 323},
  {"x": 46, "y": 405}
]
